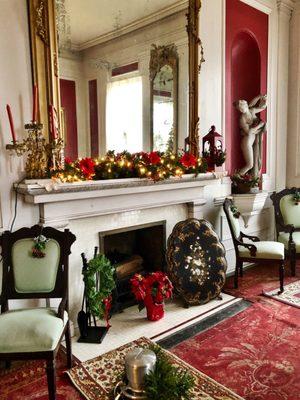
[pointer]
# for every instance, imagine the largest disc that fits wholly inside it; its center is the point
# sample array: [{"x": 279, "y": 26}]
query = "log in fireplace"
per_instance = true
[{"x": 139, "y": 248}]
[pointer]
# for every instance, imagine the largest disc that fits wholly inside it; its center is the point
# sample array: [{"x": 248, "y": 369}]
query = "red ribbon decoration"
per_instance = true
[{"x": 107, "y": 304}]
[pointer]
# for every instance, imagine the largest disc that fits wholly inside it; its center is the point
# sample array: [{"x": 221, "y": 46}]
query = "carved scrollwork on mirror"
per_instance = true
[
  {"x": 163, "y": 98},
  {"x": 44, "y": 50},
  {"x": 59, "y": 40}
]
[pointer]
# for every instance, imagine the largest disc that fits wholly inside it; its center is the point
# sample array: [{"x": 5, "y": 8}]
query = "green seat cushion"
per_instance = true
[
  {"x": 30, "y": 330},
  {"x": 269, "y": 250},
  {"x": 284, "y": 238}
]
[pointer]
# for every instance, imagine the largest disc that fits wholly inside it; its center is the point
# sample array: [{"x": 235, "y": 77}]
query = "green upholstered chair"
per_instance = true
[
  {"x": 35, "y": 333},
  {"x": 254, "y": 250},
  {"x": 287, "y": 217}
]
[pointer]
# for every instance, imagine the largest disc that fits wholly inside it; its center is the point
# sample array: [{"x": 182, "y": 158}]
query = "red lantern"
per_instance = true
[{"x": 212, "y": 150}]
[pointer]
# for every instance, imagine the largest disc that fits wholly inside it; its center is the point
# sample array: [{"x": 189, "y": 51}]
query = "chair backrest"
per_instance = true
[
  {"x": 233, "y": 222},
  {"x": 286, "y": 212},
  {"x": 25, "y": 276}
]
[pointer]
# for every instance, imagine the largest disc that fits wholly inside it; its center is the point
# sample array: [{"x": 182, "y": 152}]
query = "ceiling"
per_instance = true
[{"x": 92, "y": 21}]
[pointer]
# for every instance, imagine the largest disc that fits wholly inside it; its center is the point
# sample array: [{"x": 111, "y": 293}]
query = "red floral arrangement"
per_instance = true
[
  {"x": 87, "y": 167},
  {"x": 188, "y": 160},
  {"x": 154, "y": 157},
  {"x": 151, "y": 291}
]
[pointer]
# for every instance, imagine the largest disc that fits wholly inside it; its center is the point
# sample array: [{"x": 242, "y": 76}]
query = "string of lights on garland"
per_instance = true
[{"x": 154, "y": 165}]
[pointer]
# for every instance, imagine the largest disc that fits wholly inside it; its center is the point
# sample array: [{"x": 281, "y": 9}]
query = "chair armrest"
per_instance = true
[
  {"x": 253, "y": 238},
  {"x": 251, "y": 247}
]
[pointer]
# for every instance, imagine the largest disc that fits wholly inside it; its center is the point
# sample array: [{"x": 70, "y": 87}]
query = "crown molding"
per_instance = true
[
  {"x": 286, "y": 6},
  {"x": 179, "y": 6}
]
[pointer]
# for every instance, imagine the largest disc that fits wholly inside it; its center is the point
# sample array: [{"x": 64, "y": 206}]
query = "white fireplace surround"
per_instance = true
[
  {"x": 61, "y": 203},
  {"x": 87, "y": 208}
]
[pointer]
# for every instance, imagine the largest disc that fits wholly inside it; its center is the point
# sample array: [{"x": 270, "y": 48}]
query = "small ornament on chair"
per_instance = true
[
  {"x": 297, "y": 197},
  {"x": 39, "y": 246},
  {"x": 235, "y": 212}
]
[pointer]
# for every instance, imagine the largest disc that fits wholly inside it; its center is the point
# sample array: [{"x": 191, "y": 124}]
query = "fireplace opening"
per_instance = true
[{"x": 136, "y": 249}]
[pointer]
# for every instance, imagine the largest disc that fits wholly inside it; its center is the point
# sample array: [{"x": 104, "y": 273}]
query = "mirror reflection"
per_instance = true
[{"x": 123, "y": 70}]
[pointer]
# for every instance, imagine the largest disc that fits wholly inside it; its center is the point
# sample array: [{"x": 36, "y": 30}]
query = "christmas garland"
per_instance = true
[
  {"x": 154, "y": 165},
  {"x": 168, "y": 382},
  {"x": 99, "y": 283}
]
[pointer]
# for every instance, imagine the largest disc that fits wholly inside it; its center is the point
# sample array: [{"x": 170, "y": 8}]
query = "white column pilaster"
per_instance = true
[
  {"x": 285, "y": 9},
  {"x": 293, "y": 137}
]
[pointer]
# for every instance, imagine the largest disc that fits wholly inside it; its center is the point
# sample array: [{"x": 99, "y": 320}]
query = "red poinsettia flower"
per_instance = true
[
  {"x": 156, "y": 284},
  {"x": 154, "y": 157},
  {"x": 87, "y": 167},
  {"x": 188, "y": 160}
]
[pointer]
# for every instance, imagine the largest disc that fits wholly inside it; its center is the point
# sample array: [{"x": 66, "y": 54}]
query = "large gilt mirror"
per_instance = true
[{"x": 121, "y": 74}]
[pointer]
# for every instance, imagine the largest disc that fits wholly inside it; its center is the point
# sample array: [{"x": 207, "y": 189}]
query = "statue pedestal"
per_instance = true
[{"x": 250, "y": 204}]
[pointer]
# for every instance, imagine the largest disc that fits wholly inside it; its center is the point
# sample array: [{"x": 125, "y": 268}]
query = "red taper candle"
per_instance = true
[
  {"x": 11, "y": 123},
  {"x": 35, "y": 101},
  {"x": 53, "y": 131}
]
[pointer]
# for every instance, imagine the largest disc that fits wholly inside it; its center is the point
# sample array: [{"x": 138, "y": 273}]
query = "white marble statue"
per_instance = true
[{"x": 252, "y": 129}]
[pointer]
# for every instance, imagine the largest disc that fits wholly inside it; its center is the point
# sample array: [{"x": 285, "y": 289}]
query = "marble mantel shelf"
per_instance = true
[{"x": 58, "y": 204}]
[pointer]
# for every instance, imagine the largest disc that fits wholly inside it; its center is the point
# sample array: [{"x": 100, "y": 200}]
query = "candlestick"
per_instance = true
[
  {"x": 53, "y": 125},
  {"x": 35, "y": 100},
  {"x": 11, "y": 123}
]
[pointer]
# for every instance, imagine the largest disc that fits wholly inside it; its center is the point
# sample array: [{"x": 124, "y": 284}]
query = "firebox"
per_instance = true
[{"x": 135, "y": 249}]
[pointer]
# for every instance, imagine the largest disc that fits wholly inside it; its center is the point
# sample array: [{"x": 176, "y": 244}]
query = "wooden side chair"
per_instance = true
[
  {"x": 266, "y": 252},
  {"x": 35, "y": 333},
  {"x": 287, "y": 218}
]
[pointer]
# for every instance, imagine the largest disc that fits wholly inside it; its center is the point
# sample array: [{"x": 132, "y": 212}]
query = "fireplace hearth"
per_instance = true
[{"x": 135, "y": 249}]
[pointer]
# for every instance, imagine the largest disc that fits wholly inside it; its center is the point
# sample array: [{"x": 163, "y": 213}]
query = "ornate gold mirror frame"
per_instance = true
[
  {"x": 44, "y": 54},
  {"x": 44, "y": 51}
]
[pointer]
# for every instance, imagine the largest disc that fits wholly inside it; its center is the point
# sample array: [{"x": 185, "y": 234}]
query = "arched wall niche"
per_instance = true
[
  {"x": 246, "y": 71},
  {"x": 245, "y": 83}
]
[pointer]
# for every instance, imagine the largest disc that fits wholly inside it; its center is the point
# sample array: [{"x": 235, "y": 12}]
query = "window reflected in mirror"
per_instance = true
[
  {"x": 163, "y": 110},
  {"x": 124, "y": 115}
]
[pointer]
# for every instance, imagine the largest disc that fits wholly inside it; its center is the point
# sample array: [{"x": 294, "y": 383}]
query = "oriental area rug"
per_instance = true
[
  {"x": 291, "y": 294},
  {"x": 96, "y": 378},
  {"x": 256, "y": 352}
]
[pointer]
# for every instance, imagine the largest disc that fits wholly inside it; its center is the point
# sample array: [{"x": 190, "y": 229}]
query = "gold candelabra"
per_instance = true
[{"x": 42, "y": 157}]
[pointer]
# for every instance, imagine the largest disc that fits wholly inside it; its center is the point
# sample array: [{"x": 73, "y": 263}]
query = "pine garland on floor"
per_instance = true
[{"x": 167, "y": 382}]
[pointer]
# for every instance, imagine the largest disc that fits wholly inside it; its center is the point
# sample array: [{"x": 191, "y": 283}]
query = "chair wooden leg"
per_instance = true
[
  {"x": 51, "y": 378},
  {"x": 7, "y": 364},
  {"x": 281, "y": 277},
  {"x": 68, "y": 345},
  {"x": 236, "y": 274},
  {"x": 293, "y": 261},
  {"x": 241, "y": 269}
]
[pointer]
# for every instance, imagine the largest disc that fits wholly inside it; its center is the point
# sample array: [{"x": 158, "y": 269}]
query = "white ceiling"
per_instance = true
[{"x": 95, "y": 19}]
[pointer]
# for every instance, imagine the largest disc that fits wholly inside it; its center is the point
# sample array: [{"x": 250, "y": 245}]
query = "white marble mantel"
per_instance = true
[{"x": 61, "y": 203}]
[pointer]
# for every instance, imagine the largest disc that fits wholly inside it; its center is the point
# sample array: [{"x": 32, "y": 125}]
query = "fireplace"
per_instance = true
[{"x": 140, "y": 248}]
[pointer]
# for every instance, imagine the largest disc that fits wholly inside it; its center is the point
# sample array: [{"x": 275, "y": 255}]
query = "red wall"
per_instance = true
[
  {"x": 68, "y": 102},
  {"x": 246, "y": 70},
  {"x": 94, "y": 133}
]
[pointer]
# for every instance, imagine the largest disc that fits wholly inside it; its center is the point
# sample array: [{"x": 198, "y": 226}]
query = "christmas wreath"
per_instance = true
[{"x": 99, "y": 283}]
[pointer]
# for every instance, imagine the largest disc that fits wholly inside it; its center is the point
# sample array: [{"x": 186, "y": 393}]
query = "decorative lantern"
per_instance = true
[{"x": 212, "y": 150}]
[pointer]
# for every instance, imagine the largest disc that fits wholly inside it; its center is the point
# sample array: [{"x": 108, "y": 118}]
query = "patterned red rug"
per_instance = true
[
  {"x": 28, "y": 381},
  {"x": 255, "y": 353}
]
